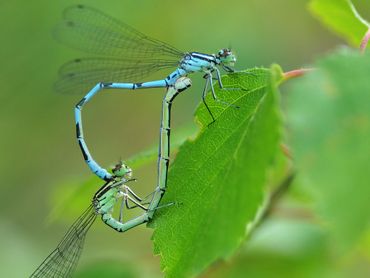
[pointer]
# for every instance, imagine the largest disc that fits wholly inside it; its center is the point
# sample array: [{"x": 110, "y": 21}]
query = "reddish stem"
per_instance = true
[
  {"x": 365, "y": 41},
  {"x": 286, "y": 151},
  {"x": 295, "y": 73}
]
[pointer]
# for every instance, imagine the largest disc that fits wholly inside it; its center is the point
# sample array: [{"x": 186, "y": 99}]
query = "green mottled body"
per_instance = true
[{"x": 104, "y": 201}]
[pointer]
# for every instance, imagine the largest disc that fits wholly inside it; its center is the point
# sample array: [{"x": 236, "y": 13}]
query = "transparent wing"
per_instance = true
[
  {"x": 91, "y": 30},
  {"x": 81, "y": 75},
  {"x": 63, "y": 260}
]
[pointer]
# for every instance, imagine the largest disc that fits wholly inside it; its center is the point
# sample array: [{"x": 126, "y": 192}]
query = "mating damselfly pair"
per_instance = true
[
  {"x": 127, "y": 55},
  {"x": 62, "y": 261}
]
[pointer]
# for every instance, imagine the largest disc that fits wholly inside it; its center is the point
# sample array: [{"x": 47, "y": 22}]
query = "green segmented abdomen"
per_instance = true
[{"x": 123, "y": 227}]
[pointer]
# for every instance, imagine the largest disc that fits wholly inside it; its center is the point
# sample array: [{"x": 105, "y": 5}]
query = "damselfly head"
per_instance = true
[
  {"x": 121, "y": 170},
  {"x": 226, "y": 57}
]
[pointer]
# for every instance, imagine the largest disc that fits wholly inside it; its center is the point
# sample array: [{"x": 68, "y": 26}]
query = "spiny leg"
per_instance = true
[
  {"x": 124, "y": 202},
  {"x": 231, "y": 70},
  {"x": 218, "y": 76},
  {"x": 129, "y": 198},
  {"x": 151, "y": 195},
  {"x": 129, "y": 190},
  {"x": 228, "y": 69},
  {"x": 164, "y": 206},
  {"x": 204, "y": 94},
  {"x": 222, "y": 88},
  {"x": 145, "y": 201}
]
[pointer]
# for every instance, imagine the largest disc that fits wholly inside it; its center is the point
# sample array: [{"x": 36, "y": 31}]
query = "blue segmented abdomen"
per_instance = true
[{"x": 94, "y": 167}]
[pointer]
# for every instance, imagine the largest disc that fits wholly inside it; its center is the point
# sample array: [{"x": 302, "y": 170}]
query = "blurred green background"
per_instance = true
[{"x": 39, "y": 153}]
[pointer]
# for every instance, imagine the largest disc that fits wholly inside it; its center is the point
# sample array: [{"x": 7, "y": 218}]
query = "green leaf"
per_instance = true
[
  {"x": 341, "y": 17},
  {"x": 218, "y": 180},
  {"x": 329, "y": 117}
]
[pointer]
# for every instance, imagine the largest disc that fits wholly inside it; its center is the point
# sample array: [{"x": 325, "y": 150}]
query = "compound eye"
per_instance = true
[{"x": 224, "y": 52}]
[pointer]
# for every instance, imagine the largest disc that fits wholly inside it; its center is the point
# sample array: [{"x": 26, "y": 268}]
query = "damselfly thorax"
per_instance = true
[{"x": 198, "y": 62}]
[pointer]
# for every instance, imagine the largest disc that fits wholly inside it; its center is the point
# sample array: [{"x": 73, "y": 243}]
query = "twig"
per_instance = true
[
  {"x": 365, "y": 41},
  {"x": 366, "y": 38},
  {"x": 295, "y": 73},
  {"x": 277, "y": 194},
  {"x": 269, "y": 204}
]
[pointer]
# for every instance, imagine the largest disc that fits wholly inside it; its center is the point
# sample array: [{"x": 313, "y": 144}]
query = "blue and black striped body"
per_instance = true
[{"x": 199, "y": 62}]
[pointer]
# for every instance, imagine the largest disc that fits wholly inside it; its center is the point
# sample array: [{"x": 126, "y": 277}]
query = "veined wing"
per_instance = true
[
  {"x": 63, "y": 260},
  {"x": 93, "y": 31},
  {"x": 81, "y": 75}
]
